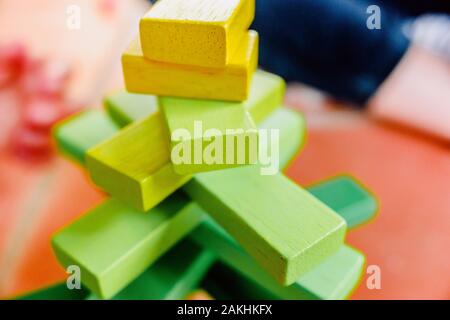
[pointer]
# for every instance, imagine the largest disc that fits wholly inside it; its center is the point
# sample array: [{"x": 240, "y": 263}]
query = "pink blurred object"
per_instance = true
[
  {"x": 108, "y": 7},
  {"x": 31, "y": 145},
  {"x": 45, "y": 78},
  {"x": 41, "y": 113},
  {"x": 12, "y": 61}
]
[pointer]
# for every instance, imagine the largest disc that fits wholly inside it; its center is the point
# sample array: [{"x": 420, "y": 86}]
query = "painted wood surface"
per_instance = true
[
  {"x": 136, "y": 106},
  {"x": 209, "y": 135},
  {"x": 195, "y": 32},
  {"x": 75, "y": 135},
  {"x": 134, "y": 165},
  {"x": 282, "y": 226},
  {"x": 231, "y": 82},
  {"x": 350, "y": 198},
  {"x": 87, "y": 242},
  {"x": 113, "y": 244},
  {"x": 335, "y": 278}
]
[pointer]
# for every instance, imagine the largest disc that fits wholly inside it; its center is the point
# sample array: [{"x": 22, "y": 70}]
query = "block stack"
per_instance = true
[{"x": 172, "y": 226}]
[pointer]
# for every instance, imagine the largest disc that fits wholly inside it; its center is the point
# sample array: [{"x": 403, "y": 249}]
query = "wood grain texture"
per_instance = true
[
  {"x": 348, "y": 197},
  {"x": 172, "y": 277},
  {"x": 113, "y": 244},
  {"x": 335, "y": 278},
  {"x": 195, "y": 32},
  {"x": 124, "y": 107},
  {"x": 231, "y": 82},
  {"x": 76, "y": 134},
  {"x": 282, "y": 226},
  {"x": 234, "y": 141},
  {"x": 134, "y": 165},
  {"x": 113, "y": 234}
]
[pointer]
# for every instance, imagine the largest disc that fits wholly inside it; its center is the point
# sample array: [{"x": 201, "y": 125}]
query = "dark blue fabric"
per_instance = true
[{"x": 326, "y": 44}]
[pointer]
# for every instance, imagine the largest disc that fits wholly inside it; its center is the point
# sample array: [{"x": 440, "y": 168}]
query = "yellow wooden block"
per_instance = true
[
  {"x": 230, "y": 83},
  {"x": 134, "y": 165},
  {"x": 195, "y": 32}
]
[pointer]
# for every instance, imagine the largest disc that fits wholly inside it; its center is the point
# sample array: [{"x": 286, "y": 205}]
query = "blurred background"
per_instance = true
[{"x": 372, "y": 79}]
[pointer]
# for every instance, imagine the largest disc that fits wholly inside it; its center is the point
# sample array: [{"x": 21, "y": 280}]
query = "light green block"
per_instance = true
[
  {"x": 112, "y": 244},
  {"x": 350, "y": 198},
  {"x": 195, "y": 117},
  {"x": 76, "y": 134},
  {"x": 59, "y": 291},
  {"x": 286, "y": 229},
  {"x": 172, "y": 277},
  {"x": 209, "y": 135},
  {"x": 114, "y": 222},
  {"x": 334, "y": 278},
  {"x": 124, "y": 107}
]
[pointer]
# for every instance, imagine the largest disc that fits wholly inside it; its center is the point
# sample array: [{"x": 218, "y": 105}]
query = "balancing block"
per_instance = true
[
  {"x": 113, "y": 244},
  {"x": 350, "y": 198},
  {"x": 231, "y": 83},
  {"x": 209, "y": 135},
  {"x": 335, "y": 278},
  {"x": 88, "y": 241},
  {"x": 136, "y": 106},
  {"x": 195, "y": 32},
  {"x": 58, "y": 291},
  {"x": 134, "y": 165},
  {"x": 286, "y": 229},
  {"x": 78, "y": 133},
  {"x": 172, "y": 277},
  {"x": 282, "y": 226}
]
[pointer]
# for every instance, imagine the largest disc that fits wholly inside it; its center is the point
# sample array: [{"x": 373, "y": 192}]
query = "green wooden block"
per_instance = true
[
  {"x": 125, "y": 108},
  {"x": 209, "y": 135},
  {"x": 114, "y": 223},
  {"x": 113, "y": 244},
  {"x": 286, "y": 229},
  {"x": 335, "y": 278},
  {"x": 199, "y": 149},
  {"x": 172, "y": 277},
  {"x": 134, "y": 165},
  {"x": 76, "y": 134},
  {"x": 56, "y": 292},
  {"x": 349, "y": 197}
]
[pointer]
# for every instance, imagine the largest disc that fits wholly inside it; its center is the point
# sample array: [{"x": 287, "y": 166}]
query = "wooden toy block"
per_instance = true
[
  {"x": 349, "y": 197},
  {"x": 333, "y": 279},
  {"x": 172, "y": 277},
  {"x": 113, "y": 244},
  {"x": 124, "y": 107},
  {"x": 115, "y": 235},
  {"x": 134, "y": 165},
  {"x": 301, "y": 234},
  {"x": 231, "y": 83},
  {"x": 209, "y": 135},
  {"x": 282, "y": 226},
  {"x": 75, "y": 135},
  {"x": 58, "y": 291},
  {"x": 195, "y": 32}
]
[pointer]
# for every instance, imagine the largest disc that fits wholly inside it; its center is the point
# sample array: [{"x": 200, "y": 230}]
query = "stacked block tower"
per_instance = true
[{"x": 169, "y": 226}]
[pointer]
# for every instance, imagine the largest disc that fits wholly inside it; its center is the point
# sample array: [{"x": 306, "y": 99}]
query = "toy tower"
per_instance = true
[{"x": 168, "y": 222}]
